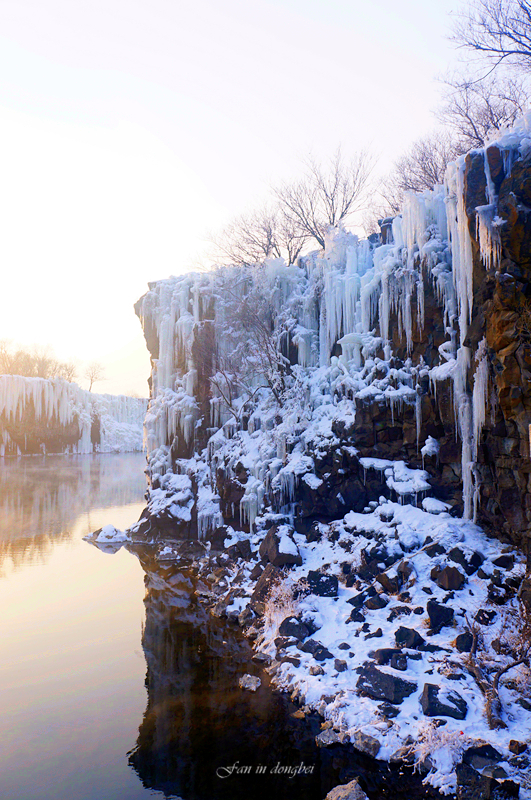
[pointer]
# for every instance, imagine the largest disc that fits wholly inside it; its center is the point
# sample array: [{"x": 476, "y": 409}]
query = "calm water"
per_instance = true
[
  {"x": 71, "y": 663},
  {"x": 114, "y": 684}
]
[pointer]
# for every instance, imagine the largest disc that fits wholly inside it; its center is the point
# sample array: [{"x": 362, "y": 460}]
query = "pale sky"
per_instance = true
[{"x": 131, "y": 129}]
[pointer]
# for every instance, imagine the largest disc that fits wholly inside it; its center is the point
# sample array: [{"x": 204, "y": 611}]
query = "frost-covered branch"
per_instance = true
[{"x": 234, "y": 392}]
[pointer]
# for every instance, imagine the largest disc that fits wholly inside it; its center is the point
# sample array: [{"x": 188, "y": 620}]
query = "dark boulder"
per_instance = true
[
  {"x": 256, "y": 572},
  {"x": 375, "y": 603},
  {"x": 434, "y": 549},
  {"x": 464, "y": 642},
  {"x": 244, "y": 549},
  {"x": 473, "y": 786},
  {"x": 382, "y": 686},
  {"x": 269, "y": 577},
  {"x": 481, "y": 755},
  {"x": 358, "y": 600},
  {"x": 525, "y": 593},
  {"x": 451, "y": 705},
  {"x": 448, "y": 578},
  {"x": 398, "y": 611},
  {"x": 294, "y": 627},
  {"x": 469, "y": 563},
  {"x": 389, "y": 710},
  {"x": 290, "y": 660},
  {"x": 505, "y": 561},
  {"x": 281, "y": 642},
  {"x": 485, "y": 617},
  {"x": 399, "y": 661},
  {"x": 322, "y": 585},
  {"x": 390, "y": 583},
  {"x": 316, "y": 649},
  {"x": 384, "y": 655},
  {"x": 499, "y": 594},
  {"x": 408, "y": 637},
  {"x": 271, "y": 549},
  {"x": 439, "y": 615}
]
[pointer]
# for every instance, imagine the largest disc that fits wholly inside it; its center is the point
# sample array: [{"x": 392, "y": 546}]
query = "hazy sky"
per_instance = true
[{"x": 130, "y": 129}]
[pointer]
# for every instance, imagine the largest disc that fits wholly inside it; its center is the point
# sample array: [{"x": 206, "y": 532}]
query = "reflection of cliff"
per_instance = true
[
  {"x": 197, "y": 719},
  {"x": 40, "y": 498}
]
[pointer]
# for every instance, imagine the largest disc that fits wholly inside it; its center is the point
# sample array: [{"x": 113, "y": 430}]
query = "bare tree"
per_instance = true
[
  {"x": 44, "y": 362},
  {"x": 4, "y": 356},
  {"x": 262, "y": 233},
  {"x": 421, "y": 168},
  {"x": 251, "y": 357},
  {"x": 474, "y": 109},
  {"x": 498, "y": 31},
  {"x": 94, "y": 372},
  {"x": 290, "y": 238},
  {"x": 234, "y": 386},
  {"x": 425, "y": 164},
  {"x": 327, "y": 195},
  {"x": 39, "y": 362},
  {"x": 254, "y": 314},
  {"x": 67, "y": 370}
]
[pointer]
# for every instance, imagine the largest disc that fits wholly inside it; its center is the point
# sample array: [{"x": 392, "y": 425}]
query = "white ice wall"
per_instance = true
[
  {"x": 345, "y": 295},
  {"x": 121, "y": 417}
]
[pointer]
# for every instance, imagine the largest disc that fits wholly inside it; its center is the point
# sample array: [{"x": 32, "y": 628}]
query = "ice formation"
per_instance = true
[
  {"x": 335, "y": 308},
  {"x": 28, "y": 402},
  {"x": 338, "y": 316},
  {"x": 269, "y": 382}
]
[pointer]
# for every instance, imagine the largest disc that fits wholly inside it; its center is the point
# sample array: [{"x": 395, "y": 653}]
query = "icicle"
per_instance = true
[
  {"x": 488, "y": 236},
  {"x": 480, "y": 393},
  {"x": 55, "y": 399},
  {"x": 463, "y": 409},
  {"x": 420, "y": 303},
  {"x": 418, "y": 414},
  {"x": 462, "y": 260}
]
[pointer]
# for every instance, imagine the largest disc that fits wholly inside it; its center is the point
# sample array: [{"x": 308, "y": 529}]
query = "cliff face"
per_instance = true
[
  {"x": 501, "y": 316},
  {"x": 40, "y": 416},
  {"x": 273, "y": 385},
  {"x": 337, "y": 426}
]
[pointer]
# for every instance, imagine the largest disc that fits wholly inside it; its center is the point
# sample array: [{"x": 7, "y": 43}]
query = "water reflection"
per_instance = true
[
  {"x": 41, "y": 497},
  {"x": 203, "y": 738},
  {"x": 73, "y": 678},
  {"x": 198, "y": 720},
  {"x": 71, "y": 668}
]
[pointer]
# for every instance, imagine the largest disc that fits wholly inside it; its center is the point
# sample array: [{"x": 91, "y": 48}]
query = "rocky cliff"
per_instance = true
[
  {"x": 416, "y": 350},
  {"x": 352, "y": 430}
]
